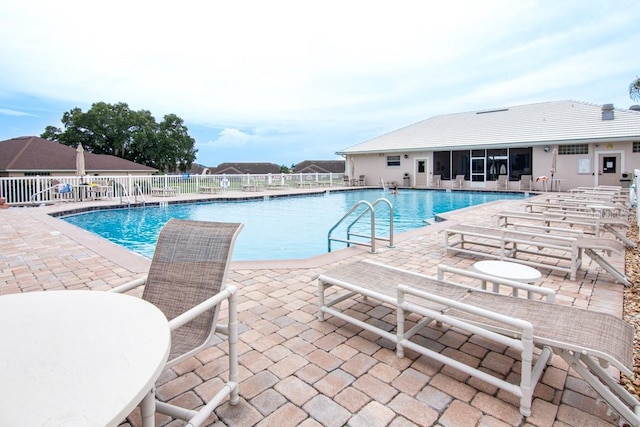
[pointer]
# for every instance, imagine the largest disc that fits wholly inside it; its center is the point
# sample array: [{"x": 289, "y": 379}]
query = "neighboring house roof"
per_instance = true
[
  {"x": 241, "y": 168},
  {"x": 320, "y": 166},
  {"x": 198, "y": 169},
  {"x": 33, "y": 154},
  {"x": 559, "y": 122}
]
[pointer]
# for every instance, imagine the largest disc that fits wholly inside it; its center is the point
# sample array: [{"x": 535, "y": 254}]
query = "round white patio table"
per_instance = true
[
  {"x": 507, "y": 270},
  {"x": 79, "y": 358}
]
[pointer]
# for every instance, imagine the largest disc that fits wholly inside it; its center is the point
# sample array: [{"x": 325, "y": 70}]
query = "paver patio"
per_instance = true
[{"x": 296, "y": 370}]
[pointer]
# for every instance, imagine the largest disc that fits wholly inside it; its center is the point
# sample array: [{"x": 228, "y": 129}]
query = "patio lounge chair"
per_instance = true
[
  {"x": 541, "y": 249},
  {"x": 588, "y": 223},
  {"x": 526, "y": 182},
  {"x": 165, "y": 191},
  {"x": 186, "y": 281},
  {"x": 458, "y": 182},
  {"x": 588, "y": 341},
  {"x": 502, "y": 183}
]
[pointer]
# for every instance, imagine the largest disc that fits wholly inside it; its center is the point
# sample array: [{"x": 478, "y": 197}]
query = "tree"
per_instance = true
[
  {"x": 133, "y": 135},
  {"x": 634, "y": 89},
  {"x": 177, "y": 150}
]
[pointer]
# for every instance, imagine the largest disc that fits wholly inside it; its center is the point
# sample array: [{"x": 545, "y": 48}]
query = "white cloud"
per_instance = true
[
  {"x": 271, "y": 72},
  {"x": 230, "y": 138},
  {"x": 9, "y": 112}
]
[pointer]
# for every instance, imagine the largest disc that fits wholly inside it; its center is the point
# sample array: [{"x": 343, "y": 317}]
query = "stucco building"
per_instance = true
[{"x": 595, "y": 145}]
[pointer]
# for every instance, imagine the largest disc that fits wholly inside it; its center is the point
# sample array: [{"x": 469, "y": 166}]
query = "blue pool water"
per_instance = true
[{"x": 282, "y": 227}]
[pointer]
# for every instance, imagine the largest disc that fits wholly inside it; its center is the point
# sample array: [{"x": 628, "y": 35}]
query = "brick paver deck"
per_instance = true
[{"x": 298, "y": 371}]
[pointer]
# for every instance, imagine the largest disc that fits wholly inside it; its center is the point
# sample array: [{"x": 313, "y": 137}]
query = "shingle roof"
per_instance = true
[
  {"x": 568, "y": 122},
  {"x": 198, "y": 169},
  {"x": 245, "y": 167},
  {"x": 320, "y": 166},
  {"x": 30, "y": 153}
]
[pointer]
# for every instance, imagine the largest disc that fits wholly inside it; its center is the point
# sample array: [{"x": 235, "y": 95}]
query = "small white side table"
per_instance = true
[{"x": 507, "y": 270}]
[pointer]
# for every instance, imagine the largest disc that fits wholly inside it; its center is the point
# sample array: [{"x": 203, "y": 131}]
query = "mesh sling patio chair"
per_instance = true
[
  {"x": 526, "y": 182},
  {"x": 502, "y": 183},
  {"x": 458, "y": 182},
  {"x": 186, "y": 281}
]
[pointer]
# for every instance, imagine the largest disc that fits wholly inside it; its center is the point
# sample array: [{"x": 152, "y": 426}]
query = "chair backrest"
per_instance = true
[
  {"x": 190, "y": 265},
  {"x": 526, "y": 182},
  {"x": 503, "y": 182}
]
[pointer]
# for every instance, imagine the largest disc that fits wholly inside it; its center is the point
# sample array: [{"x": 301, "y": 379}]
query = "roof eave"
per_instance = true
[{"x": 492, "y": 146}]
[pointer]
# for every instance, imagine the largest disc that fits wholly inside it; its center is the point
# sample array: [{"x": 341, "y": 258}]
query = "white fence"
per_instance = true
[
  {"x": 43, "y": 189},
  {"x": 634, "y": 199}
]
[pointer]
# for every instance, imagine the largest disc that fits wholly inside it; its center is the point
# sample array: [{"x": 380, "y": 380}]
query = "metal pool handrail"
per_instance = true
[{"x": 370, "y": 208}]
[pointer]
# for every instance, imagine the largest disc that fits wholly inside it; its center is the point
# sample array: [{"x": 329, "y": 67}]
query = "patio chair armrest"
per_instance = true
[
  {"x": 204, "y": 306},
  {"x": 523, "y": 326},
  {"x": 130, "y": 285},
  {"x": 548, "y": 294}
]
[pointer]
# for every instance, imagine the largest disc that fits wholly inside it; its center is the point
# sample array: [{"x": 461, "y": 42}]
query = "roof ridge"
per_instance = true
[{"x": 24, "y": 147}]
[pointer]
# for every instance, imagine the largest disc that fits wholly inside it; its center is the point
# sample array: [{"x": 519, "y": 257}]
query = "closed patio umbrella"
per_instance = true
[
  {"x": 80, "y": 161},
  {"x": 554, "y": 162}
]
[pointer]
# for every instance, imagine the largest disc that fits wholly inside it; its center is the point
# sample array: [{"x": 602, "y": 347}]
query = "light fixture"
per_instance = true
[
  {"x": 546, "y": 149},
  {"x": 406, "y": 156}
]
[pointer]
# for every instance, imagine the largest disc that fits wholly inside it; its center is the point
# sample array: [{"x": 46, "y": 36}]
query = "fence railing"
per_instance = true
[{"x": 47, "y": 189}]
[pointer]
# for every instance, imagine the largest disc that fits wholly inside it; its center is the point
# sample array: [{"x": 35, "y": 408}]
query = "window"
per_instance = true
[
  {"x": 497, "y": 163},
  {"x": 393, "y": 161},
  {"x": 636, "y": 146},
  {"x": 461, "y": 163},
  {"x": 442, "y": 164},
  {"x": 519, "y": 163},
  {"x": 573, "y": 149}
]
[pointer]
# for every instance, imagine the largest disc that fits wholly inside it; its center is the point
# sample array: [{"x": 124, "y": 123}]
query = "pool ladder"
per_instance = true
[
  {"x": 123, "y": 193},
  {"x": 369, "y": 208}
]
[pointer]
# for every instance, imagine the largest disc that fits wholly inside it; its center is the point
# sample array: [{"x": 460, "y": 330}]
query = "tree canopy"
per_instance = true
[
  {"x": 117, "y": 130},
  {"x": 634, "y": 89}
]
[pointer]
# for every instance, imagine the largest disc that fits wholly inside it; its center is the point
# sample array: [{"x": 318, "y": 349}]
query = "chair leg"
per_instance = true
[
  {"x": 607, "y": 266},
  {"x": 233, "y": 347},
  {"x": 606, "y": 387}
]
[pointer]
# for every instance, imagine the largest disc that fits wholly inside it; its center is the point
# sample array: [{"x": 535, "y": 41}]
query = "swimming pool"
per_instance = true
[{"x": 280, "y": 227}]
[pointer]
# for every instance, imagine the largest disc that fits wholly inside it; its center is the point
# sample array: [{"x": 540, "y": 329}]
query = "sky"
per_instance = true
[{"x": 286, "y": 81}]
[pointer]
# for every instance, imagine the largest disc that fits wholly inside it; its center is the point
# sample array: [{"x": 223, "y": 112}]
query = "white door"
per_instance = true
[
  {"x": 478, "y": 165},
  {"x": 422, "y": 172},
  {"x": 609, "y": 168}
]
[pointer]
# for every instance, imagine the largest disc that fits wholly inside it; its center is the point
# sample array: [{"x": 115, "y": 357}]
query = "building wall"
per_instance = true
[{"x": 374, "y": 166}]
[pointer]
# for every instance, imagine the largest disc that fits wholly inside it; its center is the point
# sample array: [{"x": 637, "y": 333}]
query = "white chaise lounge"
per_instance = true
[
  {"x": 540, "y": 249},
  {"x": 588, "y": 341}
]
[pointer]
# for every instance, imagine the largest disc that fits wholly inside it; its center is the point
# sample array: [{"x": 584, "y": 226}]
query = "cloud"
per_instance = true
[
  {"x": 9, "y": 112},
  {"x": 231, "y": 138},
  {"x": 285, "y": 73}
]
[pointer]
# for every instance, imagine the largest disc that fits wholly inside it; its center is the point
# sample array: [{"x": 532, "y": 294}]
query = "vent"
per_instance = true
[
  {"x": 607, "y": 112},
  {"x": 492, "y": 111}
]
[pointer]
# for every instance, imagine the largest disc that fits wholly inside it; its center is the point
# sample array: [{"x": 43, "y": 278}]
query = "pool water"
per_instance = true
[{"x": 281, "y": 227}]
